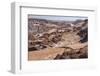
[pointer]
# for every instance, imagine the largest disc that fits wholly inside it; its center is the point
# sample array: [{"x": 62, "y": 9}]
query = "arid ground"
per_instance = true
[{"x": 62, "y": 39}]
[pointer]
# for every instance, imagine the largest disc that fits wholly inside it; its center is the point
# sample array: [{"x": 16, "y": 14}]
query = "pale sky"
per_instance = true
[{"x": 61, "y": 18}]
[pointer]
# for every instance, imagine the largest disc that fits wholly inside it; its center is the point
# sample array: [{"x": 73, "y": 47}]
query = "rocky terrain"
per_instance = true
[{"x": 48, "y": 39}]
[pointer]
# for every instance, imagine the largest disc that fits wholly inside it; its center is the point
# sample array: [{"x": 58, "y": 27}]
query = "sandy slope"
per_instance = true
[
  {"x": 51, "y": 53},
  {"x": 44, "y": 54}
]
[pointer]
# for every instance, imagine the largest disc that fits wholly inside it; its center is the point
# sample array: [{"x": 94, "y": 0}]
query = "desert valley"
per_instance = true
[{"x": 57, "y": 39}]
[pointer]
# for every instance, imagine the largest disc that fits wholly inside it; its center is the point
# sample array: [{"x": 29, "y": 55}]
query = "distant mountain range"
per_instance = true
[{"x": 38, "y": 25}]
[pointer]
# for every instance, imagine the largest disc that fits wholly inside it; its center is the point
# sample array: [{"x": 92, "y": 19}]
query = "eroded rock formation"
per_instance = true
[{"x": 72, "y": 37}]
